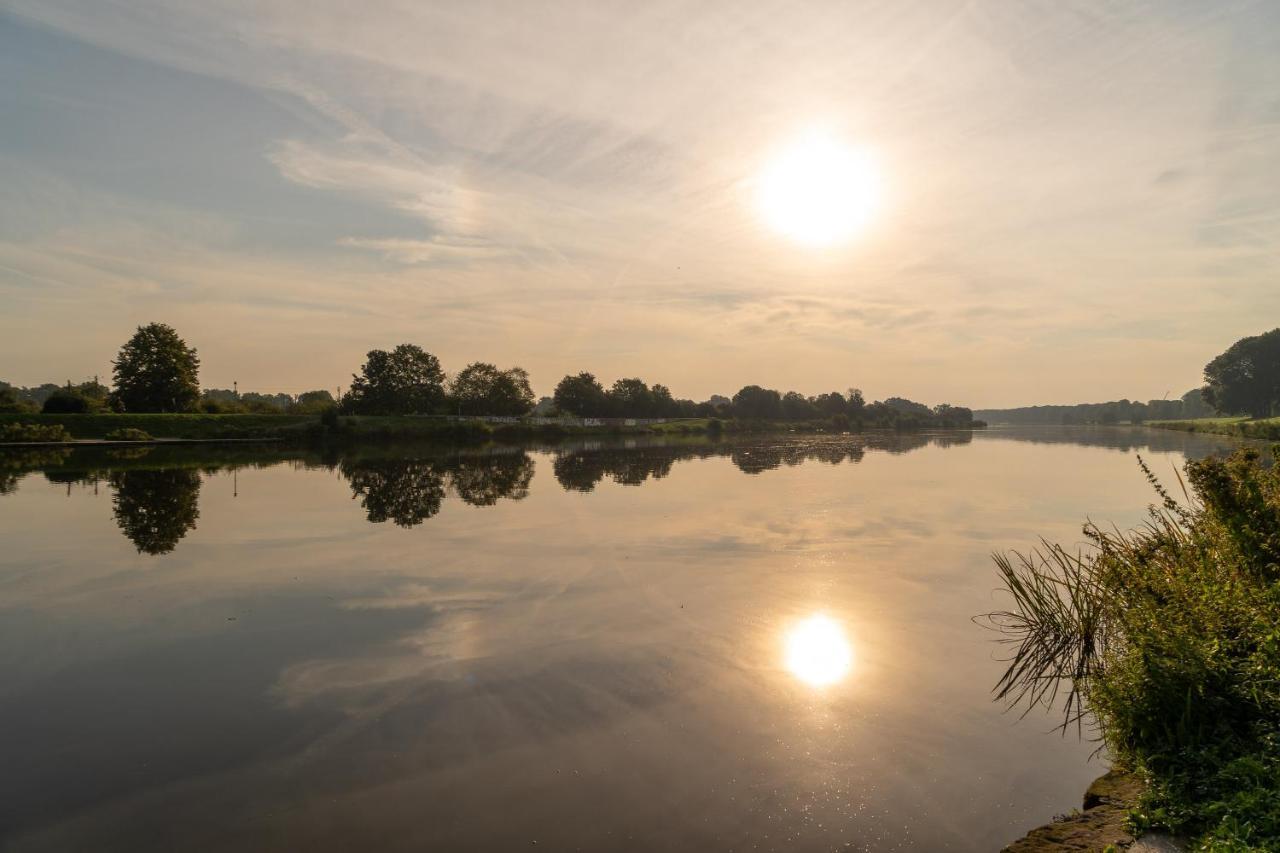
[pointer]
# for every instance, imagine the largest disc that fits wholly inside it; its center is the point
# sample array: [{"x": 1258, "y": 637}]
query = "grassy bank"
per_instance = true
[
  {"x": 376, "y": 428},
  {"x": 169, "y": 426},
  {"x": 1266, "y": 428},
  {"x": 1167, "y": 639}
]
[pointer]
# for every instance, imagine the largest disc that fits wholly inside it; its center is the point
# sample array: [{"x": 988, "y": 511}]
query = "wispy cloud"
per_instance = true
[{"x": 570, "y": 186}]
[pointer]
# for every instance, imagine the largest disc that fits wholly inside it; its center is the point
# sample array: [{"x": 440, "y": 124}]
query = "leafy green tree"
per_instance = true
[
  {"x": 581, "y": 395},
  {"x": 483, "y": 389},
  {"x": 407, "y": 380},
  {"x": 10, "y": 402},
  {"x": 1246, "y": 378},
  {"x": 758, "y": 403},
  {"x": 156, "y": 372},
  {"x": 312, "y": 402}
]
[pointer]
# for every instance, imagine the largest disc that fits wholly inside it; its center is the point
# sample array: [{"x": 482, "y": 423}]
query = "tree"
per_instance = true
[
  {"x": 581, "y": 395},
  {"x": 856, "y": 404},
  {"x": 796, "y": 407},
  {"x": 407, "y": 380},
  {"x": 312, "y": 402},
  {"x": 1246, "y": 378},
  {"x": 833, "y": 403},
  {"x": 482, "y": 389},
  {"x": 662, "y": 404},
  {"x": 156, "y": 372},
  {"x": 756, "y": 402},
  {"x": 11, "y": 402},
  {"x": 630, "y": 398}
]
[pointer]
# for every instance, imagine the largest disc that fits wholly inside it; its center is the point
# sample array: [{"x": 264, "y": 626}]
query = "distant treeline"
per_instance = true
[
  {"x": 93, "y": 397},
  {"x": 155, "y": 371},
  {"x": 1189, "y": 405}
]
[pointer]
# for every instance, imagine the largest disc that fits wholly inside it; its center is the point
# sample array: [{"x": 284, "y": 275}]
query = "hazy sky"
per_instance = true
[{"x": 1079, "y": 202}]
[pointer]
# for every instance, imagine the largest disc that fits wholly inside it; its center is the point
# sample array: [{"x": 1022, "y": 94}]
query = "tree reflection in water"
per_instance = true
[
  {"x": 156, "y": 508},
  {"x": 156, "y": 491},
  {"x": 409, "y": 491}
]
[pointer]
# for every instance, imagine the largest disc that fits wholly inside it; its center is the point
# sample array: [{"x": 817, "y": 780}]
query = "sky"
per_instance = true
[{"x": 1076, "y": 202}]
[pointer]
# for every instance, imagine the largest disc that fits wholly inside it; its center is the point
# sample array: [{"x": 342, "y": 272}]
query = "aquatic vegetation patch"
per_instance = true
[{"x": 1166, "y": 639}]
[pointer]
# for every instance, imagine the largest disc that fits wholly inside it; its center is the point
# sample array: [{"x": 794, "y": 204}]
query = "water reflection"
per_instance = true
[
  {"x": 408, "y": 491},
  {"x": 156, "y": 489},
  {"x": 403, "y": 491},
  {"x": 587, "y": 666},
  {"x": 817, "y": 651},
  {"x": 155, "y": 509}
]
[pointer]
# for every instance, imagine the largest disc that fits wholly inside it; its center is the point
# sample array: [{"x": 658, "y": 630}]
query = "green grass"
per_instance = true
[
  {"x": 1168, "y": 639},
  {"x": 169, "y": 426},
  {"x": 1266, "y": 428}
]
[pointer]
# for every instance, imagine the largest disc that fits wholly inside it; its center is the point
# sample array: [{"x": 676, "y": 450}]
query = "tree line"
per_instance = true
[
  {"x": 156, "y": 371},
  {"x": 1190, "y": 405}
]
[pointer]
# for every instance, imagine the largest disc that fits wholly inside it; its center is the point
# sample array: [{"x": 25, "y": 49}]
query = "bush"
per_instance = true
[
  {"x": 63, "y": 402},
  {"x": 840, "y": 422},
  {"x": 33, "y": 432},
  {"x": 715, "y": 427},
  {"x": 128, "y": 434},
  {"x": 1169, "y": 638},
  {"x": 329, "y": 418}
]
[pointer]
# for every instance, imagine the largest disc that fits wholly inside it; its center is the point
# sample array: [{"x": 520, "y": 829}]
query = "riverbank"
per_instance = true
[
  {"x": 377, "y": 428},
  {"x": 1099, "y": 822},
  {"x": 1265, "y": 428},
  {"x": 1167, "y": 637}
]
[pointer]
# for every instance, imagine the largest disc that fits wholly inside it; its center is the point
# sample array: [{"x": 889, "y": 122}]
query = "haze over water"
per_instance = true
[{"x": 679, "y": 645}]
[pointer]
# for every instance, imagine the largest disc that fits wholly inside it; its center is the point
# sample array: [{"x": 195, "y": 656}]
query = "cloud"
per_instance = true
[{"x": 576, "y": 181}]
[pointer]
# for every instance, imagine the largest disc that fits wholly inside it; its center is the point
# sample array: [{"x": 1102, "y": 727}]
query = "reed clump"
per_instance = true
[{"x": 1165, "y": 642}]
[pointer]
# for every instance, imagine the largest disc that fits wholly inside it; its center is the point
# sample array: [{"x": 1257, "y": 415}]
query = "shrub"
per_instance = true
[
  {"x": 21, "y": 432},
  {"x": 63, "y": 402},
  {"x": 1168, "y": 637},
  {"x": 329, "y": 417},
  {"x": 840, "y": 422},
  {"x": 715, "y": 427},
  {"x": 128, "y": 434}
]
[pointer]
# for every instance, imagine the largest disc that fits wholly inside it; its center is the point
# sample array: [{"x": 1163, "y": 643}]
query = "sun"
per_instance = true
[
  {"x": 818, "y": 191},
  {"x": 817, "y": 651}
]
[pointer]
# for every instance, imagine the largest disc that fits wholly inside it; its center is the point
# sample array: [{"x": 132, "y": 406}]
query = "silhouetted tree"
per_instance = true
[
  {"x": 155, "y": 509},
  {"x": 156, "y": 372},
  {"x": 581, "y": 395},
  {"x": 756, "y": 402},
  {"x": 630, "y": 398},
  {"x": 407, "y": 380},
  {"x": 1246, "y": 378},
  {"x": 482, "y": 389},
  {"x": 797, "y": 407}
]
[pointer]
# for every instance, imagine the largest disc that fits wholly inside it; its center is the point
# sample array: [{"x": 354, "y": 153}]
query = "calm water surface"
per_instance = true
[{"x": 759, "y": 645}]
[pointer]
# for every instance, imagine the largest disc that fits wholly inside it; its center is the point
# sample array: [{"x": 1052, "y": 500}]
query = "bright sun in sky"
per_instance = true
[
  {"x": 817, "y": 651},
  {"x": 819, "y": 191}
]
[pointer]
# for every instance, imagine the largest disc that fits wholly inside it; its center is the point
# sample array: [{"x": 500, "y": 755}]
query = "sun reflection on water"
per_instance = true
[{"x": 818, "y": 651}]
